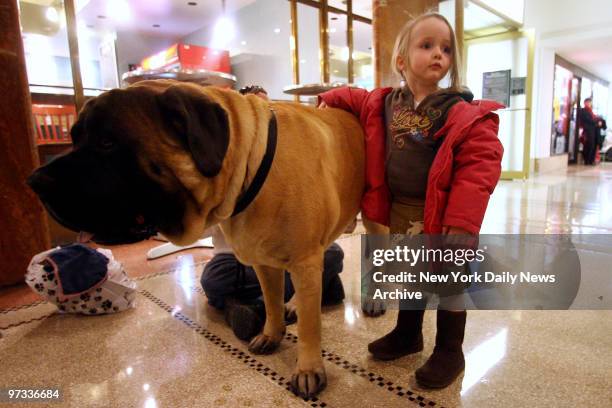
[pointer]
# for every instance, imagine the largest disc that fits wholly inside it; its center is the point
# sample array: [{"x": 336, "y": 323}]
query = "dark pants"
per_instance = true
[
  {"x": 224, "y": 276},
  {"x": 590, "y": 145}
]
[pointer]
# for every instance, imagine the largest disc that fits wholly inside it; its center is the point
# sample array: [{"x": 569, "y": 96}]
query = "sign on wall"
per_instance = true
[
  {"x": 496, "y": 86},
  {"x": 517, "y": 86}
]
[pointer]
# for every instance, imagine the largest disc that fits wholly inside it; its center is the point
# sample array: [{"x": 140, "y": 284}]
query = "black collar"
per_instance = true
[{"x": 262, "y": 171}]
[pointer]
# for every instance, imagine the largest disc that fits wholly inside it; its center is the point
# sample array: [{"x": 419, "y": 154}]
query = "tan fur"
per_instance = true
[{"x": 311, "y": 194}]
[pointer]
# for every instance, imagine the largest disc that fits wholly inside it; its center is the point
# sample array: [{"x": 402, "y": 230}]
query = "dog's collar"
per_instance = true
[{"x": 262, "y": 171}]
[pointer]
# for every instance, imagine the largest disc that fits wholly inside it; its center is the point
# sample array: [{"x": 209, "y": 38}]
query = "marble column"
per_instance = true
[
  {"x": 389, "y": 17},
  {"x": 23, "y": 224}
]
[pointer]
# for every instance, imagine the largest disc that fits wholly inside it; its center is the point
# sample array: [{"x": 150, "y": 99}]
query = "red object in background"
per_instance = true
[
  {"x": 52, "y": 123},
  {"x": 187, "y": 56}
]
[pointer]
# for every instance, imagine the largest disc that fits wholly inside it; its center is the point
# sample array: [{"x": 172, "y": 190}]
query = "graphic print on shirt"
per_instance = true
[{"x": 408, "y": 123}]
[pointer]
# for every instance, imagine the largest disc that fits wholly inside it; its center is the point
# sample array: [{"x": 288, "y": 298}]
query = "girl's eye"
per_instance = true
[
  {"x": 426, "y": 46},
  {"x": 447, "y": 50}
]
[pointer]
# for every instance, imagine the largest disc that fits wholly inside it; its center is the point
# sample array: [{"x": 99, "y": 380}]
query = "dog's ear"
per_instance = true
[{"x": 200, "y": 123}]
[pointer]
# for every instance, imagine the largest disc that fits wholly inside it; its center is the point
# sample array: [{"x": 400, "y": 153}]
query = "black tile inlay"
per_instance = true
[
  {"x": 246, "y": 358},
  {"x": 391, "y": 387},
  {"x": 362, "y": 372}
]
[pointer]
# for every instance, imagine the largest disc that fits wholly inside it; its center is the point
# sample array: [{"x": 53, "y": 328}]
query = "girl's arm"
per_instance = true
[
  {"x": 349, "y": 99},
  {"x": 476, "y": 171}
]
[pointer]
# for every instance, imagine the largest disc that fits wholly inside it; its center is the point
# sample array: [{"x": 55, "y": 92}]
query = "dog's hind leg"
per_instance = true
[
  {"x": 309, "y": 377},
  {"x": 272, "y": 283}
]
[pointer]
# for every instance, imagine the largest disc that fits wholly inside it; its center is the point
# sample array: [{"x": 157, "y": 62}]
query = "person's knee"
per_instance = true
[{"x": 218, "y": 277}]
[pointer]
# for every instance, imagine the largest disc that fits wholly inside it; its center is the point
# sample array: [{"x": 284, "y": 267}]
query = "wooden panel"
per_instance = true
[{"x": 23, "y": 227}]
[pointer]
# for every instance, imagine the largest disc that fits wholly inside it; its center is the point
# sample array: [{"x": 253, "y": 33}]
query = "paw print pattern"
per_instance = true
[
  {"x": 107, "y": 304},
  {"x": 85, "y": 297},
  {"x": 39, "y": 287}
]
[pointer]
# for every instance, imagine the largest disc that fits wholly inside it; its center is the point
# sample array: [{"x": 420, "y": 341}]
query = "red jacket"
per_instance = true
[{"x": 463, "y": 174}]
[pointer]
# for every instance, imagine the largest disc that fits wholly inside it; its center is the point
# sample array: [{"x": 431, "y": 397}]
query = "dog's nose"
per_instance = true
[{"x": 40, "y": 182}]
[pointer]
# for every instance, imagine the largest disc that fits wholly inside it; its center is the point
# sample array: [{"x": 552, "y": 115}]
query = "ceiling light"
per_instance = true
[
  {"x": 51, "y": 14},
  {"x": 223, "y": 32},
  {"x": 276, "y": 30},
  {"x": 243, "y": 42},
  {"x": 156, "y": 25},
  {"x": 192, "y": 3},
  {"x": 101, "y": 17}
]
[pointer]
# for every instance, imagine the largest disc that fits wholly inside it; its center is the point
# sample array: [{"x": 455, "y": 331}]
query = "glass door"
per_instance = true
[{"x": 500, "y": 67}]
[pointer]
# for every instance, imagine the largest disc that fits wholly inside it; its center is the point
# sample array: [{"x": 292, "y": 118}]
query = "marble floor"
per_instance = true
[{"x": 173, "y": 350}]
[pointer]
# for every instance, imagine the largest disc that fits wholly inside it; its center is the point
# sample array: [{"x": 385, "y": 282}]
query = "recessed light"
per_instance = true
[
  {"x": 277, "y": 30},
  {"x": 101, "y": 17},
  {"x": 192, "y": 3},
  {"x": 156, "y": 25}
]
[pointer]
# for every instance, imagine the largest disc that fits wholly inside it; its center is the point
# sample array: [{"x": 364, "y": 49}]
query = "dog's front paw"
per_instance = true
[
  {"x": 264, "y": 344},
  {"x": 373, "y": 308},
  {"x": 308, "y": 383}
]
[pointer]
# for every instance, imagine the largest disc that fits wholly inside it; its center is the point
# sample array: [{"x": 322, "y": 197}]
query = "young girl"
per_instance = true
[{"x": 433, "y": 159}]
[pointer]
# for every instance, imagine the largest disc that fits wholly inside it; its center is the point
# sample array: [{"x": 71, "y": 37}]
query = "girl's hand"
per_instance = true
[
  {"x": 446, "y": 230},
  {"x": 322, "y": 105}
]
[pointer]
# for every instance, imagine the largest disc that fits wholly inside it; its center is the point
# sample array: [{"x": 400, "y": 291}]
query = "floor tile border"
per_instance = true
[
  {"x": 34, "y": 319},
  {"x": 26, "y": 306},
  {"x": 235, "y": 352},
  {"x": 390, "y": 386}
]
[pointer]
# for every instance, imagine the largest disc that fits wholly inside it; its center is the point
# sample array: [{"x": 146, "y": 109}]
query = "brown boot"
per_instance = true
[
  {"x": 447, "y": 360},
  {"x": 406, "y": 338}
]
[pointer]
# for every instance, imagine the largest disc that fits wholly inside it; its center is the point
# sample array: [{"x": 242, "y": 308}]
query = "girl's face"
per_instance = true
[{"x": 429, "y": 52}]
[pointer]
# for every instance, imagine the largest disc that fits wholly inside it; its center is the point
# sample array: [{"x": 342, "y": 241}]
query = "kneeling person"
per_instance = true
[{"x": 233, "y": 287}]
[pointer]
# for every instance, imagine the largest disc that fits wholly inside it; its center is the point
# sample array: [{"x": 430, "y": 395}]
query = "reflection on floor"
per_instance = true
[{"x": 173, "y": 350}]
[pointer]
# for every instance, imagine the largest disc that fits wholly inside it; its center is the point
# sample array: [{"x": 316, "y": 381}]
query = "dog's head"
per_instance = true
[{"x": 137, "y": 154}]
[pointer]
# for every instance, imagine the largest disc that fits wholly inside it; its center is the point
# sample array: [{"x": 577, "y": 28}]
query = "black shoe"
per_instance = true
[
  {"x": 333, "y": 294},
  {"x": 406, "y": 338},
  {"x": 447, "y": 360},
  {"x": 246, "y": 320}
]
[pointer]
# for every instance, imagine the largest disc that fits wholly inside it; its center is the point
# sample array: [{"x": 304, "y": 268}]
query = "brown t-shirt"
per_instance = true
[{"x": 410, "y": 146}]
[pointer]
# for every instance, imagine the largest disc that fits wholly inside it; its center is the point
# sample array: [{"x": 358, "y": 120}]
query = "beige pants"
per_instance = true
[{"x": 407, "y": 216}]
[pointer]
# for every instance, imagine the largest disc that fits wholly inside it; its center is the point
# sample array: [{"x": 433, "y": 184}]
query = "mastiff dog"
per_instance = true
[{"x": 283, "y": 180}]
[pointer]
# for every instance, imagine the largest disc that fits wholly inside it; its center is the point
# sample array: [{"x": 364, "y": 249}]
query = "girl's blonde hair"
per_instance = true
[{"x": 402, "y": 43}]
